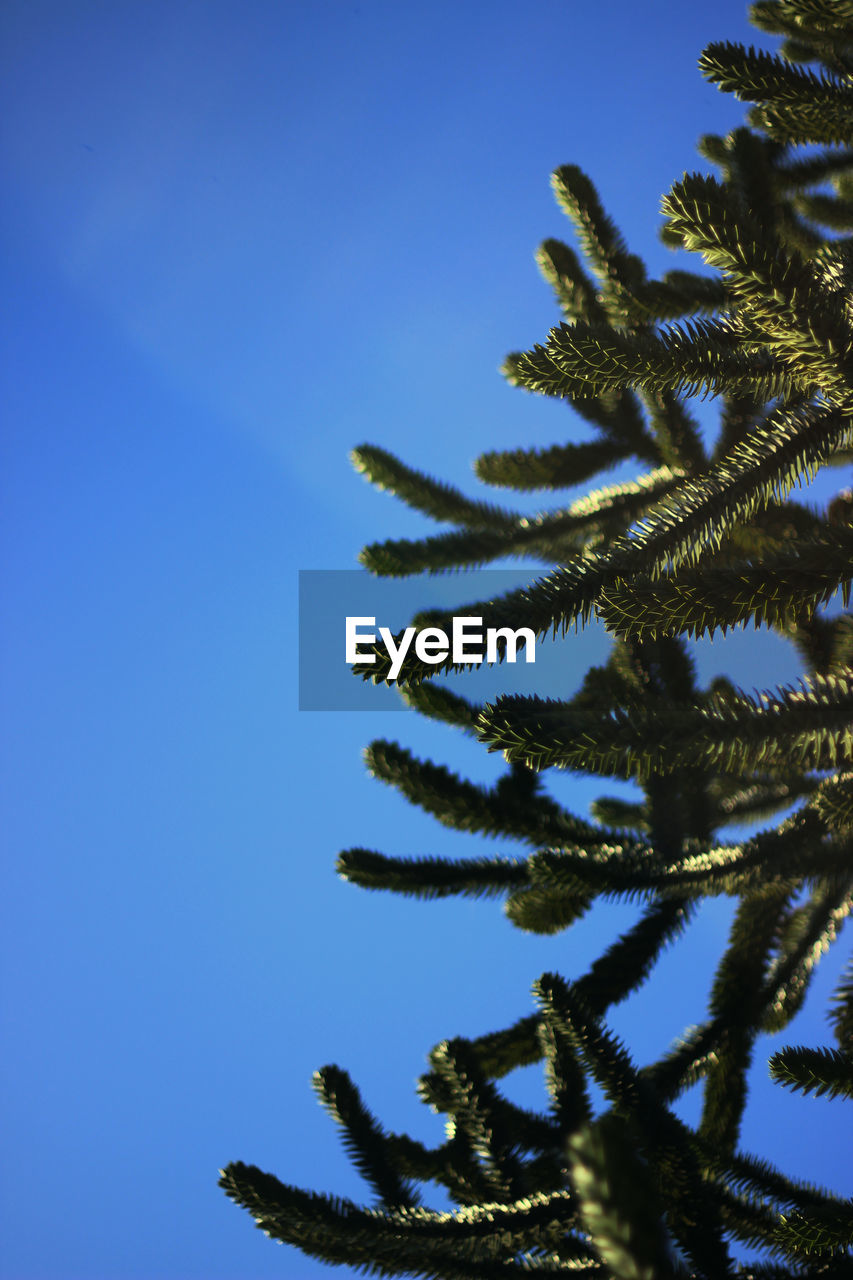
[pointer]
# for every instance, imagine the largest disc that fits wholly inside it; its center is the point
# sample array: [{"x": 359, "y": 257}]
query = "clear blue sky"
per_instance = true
[{"x": 239, "y": 240}]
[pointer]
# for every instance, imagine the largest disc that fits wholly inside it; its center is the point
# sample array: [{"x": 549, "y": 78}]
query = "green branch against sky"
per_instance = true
[{"x": 705, "y": 537}]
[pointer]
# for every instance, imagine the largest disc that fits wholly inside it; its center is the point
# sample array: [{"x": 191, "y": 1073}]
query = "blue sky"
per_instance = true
[{"x": 239, "y": 241}]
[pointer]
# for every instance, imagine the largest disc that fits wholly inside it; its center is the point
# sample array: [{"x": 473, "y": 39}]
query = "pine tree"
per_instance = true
[{"x": 705, "y": 539}]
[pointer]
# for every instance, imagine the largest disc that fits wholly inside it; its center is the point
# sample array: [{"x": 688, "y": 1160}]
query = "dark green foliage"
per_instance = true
[
  {"x": 774, "y": 590},
  {"x": 796, "y": 105},
  {"x": 816, "y": 1071},
  {"x": 364, "y": 1140},
  {"x": 706, "y": 537},
  {"x": 810, "y": 727},
  {"x": 430, "y": 496},
  {"x": 556, "y": 468}
]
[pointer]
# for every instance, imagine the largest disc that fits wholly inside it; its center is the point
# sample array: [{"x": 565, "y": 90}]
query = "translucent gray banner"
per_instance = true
[{"x": 340, "y": 609}]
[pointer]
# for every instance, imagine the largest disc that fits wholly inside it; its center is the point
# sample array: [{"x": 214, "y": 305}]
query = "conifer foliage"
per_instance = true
[{"x": 704, "y": 539}]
